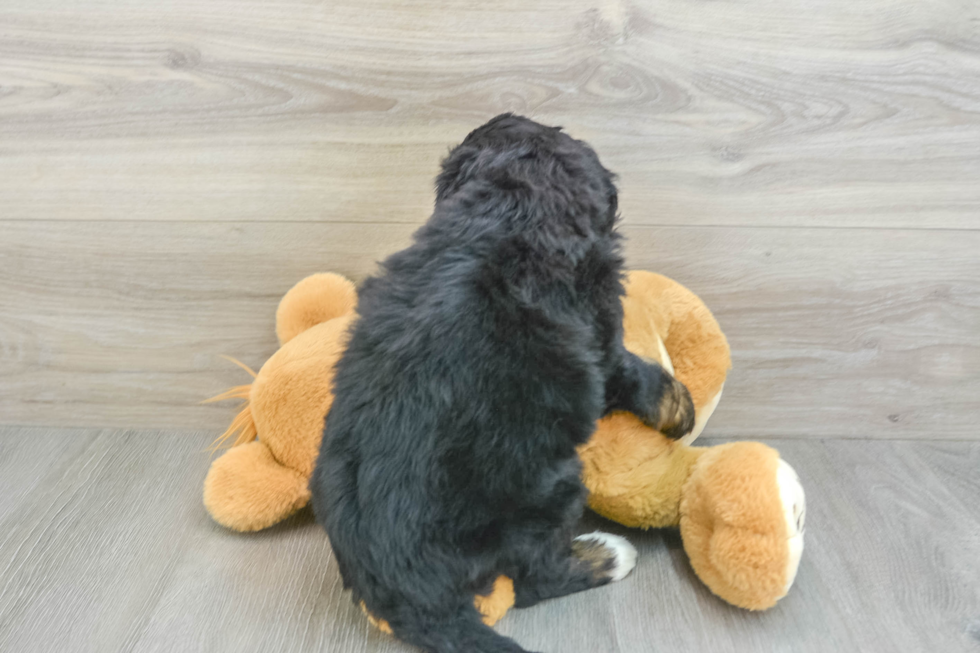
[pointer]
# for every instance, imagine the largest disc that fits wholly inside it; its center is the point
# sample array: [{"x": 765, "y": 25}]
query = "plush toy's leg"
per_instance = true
[
  {"x": 661, "y": 316},
  {"x": 742, "y": 523},
  {"x": 247, "y": 490}
]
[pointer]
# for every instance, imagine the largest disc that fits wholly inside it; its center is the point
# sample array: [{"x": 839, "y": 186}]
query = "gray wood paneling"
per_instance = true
[
  {"x": 748, "y": 112},
  {"x": 168, "y": 169},
  {"x": 835, "y": 332}
]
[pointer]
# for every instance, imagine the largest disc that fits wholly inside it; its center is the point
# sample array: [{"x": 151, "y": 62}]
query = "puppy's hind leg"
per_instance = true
[{"x": 591, "y": 560}]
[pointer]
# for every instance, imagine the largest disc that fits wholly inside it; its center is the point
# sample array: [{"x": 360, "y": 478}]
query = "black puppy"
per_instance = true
[{"x": 483, "y": 355}]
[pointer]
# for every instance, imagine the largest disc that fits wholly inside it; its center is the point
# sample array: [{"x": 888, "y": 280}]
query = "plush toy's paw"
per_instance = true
[
  {"x": 794, "y": 512},
  {"x": 611, "y": 556},
  {"x": 742, "y": 516},
  {"x": 246, "y": 489},
  {"x": 675, "y": 410}
]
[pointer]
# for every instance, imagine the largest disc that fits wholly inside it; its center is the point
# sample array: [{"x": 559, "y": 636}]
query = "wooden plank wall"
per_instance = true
[{"x": 169, "y": 169}]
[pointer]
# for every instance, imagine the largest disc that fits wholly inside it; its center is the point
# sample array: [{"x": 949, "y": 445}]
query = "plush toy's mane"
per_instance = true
[
  {"x": 243, "y": 424},
  {"x": 316, "y": 299}
]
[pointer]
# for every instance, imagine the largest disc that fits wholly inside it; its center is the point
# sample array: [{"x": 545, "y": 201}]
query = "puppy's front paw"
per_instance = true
[
  {"x": 675, "y": 411},
  {"x": 611, "y": 557}
]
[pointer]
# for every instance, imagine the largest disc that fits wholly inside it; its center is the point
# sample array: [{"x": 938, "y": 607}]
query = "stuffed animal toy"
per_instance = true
[{"x": 740, "y": 508}]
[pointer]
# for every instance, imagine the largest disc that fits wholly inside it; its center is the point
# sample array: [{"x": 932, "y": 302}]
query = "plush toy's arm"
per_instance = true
[
  {"x": 740, "y": 507},
  {"x": 667, "y": 322},
  {"x": 634, "y": 474},
  {"x": 697, "y": 347}
]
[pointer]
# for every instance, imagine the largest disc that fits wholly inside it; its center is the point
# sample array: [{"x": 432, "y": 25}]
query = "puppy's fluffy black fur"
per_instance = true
[{"x": 483, "y": 355}]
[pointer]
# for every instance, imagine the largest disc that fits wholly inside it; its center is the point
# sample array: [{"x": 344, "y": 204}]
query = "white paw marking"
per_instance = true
[{"x": 624, "y": 551}]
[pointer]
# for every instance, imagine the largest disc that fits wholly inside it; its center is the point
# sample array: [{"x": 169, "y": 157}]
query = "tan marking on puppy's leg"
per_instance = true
[{"x": 676, "y": 411}]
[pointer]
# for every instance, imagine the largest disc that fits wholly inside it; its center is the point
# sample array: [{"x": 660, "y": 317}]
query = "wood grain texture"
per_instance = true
[
  {"x": 737, "y": 113},
  {"x": 835, "y": 332},
  {"x": 112, "y": 551}
]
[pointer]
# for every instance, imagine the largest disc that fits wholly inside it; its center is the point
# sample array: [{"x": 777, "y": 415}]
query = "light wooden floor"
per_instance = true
[
  {"x": 169, "y": 169},
  {"x": 104, "y": 546}
]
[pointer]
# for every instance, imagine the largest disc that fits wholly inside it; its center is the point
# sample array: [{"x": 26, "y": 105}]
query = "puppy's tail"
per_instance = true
[{"x": 465, "y": 634}]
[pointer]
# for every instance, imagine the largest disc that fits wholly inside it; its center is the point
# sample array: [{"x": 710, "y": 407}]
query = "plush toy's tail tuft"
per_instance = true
[{"x": 243, "y": 424}]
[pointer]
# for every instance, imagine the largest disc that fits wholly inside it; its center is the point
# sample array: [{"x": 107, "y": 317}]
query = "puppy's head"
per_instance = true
[{"x": 540, "y": 173}]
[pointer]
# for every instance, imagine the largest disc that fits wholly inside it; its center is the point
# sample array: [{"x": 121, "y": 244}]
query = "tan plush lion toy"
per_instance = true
[{"x": 740, "y": 508}]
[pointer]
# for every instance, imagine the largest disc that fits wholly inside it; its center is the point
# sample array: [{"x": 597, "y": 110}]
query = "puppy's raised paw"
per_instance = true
[
  {"x": 610, "y": 557},
  {"x": 676, "y": 411}
]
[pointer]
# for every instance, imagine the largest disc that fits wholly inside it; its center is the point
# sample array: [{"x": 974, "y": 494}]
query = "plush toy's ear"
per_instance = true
[{"x": 315, "y": 299}]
